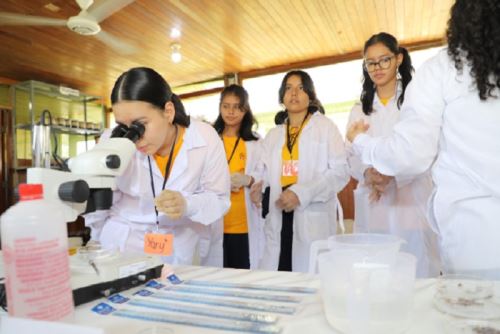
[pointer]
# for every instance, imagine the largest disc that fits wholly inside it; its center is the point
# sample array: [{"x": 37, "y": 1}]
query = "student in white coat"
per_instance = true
[
  {"x": 450, "y": 121},
  {"x": 179, "y": 166},
  {"x": 387, "y": 204},
  {"x": 304, "y": 163},
  {"x": 243, "y": 224}
]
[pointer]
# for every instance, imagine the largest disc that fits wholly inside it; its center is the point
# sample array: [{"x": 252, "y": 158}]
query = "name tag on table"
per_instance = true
[
  {"x": 158, "y": 244},
  {"x": 290, "y": 168}
]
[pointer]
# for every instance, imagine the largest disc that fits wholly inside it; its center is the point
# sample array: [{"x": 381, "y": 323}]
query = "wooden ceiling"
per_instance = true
[{"x": 217, "y": 37}]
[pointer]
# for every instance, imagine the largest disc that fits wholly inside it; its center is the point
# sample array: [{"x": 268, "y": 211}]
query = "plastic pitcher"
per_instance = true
[
  {"x": 380, "y": 247},
  {"x": 365, "y": 295}
]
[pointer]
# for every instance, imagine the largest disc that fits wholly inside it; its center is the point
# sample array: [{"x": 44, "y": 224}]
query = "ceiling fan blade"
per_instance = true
[
  {"x": 115, "y": 43},
  {"x": 12, "y": 19},
  {"x": 107, "y": 8}
]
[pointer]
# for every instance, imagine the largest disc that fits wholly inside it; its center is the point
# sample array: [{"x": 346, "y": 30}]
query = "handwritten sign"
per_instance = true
[{"x": 159, "y": 244}]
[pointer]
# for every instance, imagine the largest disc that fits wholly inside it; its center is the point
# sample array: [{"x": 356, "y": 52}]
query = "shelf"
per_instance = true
[
  {"x": 58, "y": 92},
  {"x": 67, "y": 107},
  {"x": 64, "y": 129}
]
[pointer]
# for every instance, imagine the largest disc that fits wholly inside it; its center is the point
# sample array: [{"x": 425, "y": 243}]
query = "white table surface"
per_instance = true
[{"x": 310, "y": 318}]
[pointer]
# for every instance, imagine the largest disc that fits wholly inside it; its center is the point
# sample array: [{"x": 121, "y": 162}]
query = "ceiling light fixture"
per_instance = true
[
  {"x": 175, "y": 54},
  {"x": 175, "y": 33}
]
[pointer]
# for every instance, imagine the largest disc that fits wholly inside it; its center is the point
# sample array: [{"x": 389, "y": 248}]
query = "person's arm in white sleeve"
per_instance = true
[
  {"x": 404, "y": 180},
  {"x": 258, "y": 171},
  {"x": 326, "y": 185},
  {"x": 212, "y": 201},
  {"x": 412, "y": 147},
  {"x": 356, "y": 166}
]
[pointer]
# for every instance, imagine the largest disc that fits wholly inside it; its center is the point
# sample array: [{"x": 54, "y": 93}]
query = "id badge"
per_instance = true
[
  {"x": 290, "y": 168},
  {"x": 158, "y": 244}
]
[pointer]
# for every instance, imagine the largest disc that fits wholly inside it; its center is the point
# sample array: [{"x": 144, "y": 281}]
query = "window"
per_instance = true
[
  {"x": 205, "y": 107},
  {"x": 338, "y": 87}
]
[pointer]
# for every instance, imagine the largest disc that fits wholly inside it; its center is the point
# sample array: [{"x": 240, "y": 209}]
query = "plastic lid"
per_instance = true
[{"x": 28, "y": 192}]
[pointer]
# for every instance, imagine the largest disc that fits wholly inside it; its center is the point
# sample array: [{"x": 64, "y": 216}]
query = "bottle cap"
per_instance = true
[{"x": 28, "y": 192}]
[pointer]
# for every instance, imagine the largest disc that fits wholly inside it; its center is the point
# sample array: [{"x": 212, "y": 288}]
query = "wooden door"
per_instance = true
[{"x": 5, "y": 156}]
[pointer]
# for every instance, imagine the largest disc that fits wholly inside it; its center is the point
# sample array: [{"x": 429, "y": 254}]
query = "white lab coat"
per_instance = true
[
  {"x": 254, "y": 215},
  {"x": 401, "y": 210},
  {"x": 200, "y": 173},
  {"x": 323, "y": 172},
  {"x": 445, "y": 125}
]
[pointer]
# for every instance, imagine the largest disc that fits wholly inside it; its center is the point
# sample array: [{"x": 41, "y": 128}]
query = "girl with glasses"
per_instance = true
[
  {"x": 243, "y": 234},
  {"x": 450, "y": 124},
  {"x": 177, "y": 182},
  {"x": 383, "y": 203}
]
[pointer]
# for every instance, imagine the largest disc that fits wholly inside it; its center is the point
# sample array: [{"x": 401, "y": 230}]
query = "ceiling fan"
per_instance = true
[{"x": 85, "y": 23}]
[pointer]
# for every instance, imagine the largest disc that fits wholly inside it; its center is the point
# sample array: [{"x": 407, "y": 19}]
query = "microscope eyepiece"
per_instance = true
[
  {"x": 134, "y": 132},
  {"x": 119, "y": 131}
]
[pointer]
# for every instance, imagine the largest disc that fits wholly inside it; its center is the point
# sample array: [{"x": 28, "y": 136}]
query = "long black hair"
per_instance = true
[
  {"x": 474, "y": 37},
  {"x": 147, "y": 85},
  {"x": 248, "y": 120},
  {"x": 308, "y": 84},
  {"x": 405, "y": 70}
]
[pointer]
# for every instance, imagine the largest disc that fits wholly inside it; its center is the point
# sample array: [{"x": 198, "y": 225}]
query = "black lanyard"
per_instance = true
[
  {"x": 234, "y": 149},
  {"x": 292, "y": 139},
  {"x": 167, "y": 172}
]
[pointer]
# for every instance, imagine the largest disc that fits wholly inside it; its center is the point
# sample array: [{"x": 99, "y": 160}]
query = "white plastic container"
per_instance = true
[
  {"x": 366, "y": 296},
  {"x": 36, "y": 261},
  {"x": 374, "y": 247}
]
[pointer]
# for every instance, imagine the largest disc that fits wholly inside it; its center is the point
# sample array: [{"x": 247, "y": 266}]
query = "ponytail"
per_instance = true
[
  {"x": 180, "y": 117},
  {"x": 367, "y": 94},
  {"x": 405, "y": 71},
  {"x": 280, "y": 117},
  {"x": 314, "y": 106}
]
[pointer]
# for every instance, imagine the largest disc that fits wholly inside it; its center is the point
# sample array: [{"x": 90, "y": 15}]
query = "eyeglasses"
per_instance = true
[{"x": 383, "y": 63}]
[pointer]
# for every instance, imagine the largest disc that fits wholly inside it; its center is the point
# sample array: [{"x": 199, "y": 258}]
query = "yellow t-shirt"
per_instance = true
[
  {"x": 161, "y": 162},
  {"x": 286, "y": 157},
  {"x": 235, "y": 220},
  {"x": 384, "y": 101}
]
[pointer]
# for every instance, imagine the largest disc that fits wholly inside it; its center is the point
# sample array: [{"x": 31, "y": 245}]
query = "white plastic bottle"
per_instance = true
[{"x": 35, "y": 254}]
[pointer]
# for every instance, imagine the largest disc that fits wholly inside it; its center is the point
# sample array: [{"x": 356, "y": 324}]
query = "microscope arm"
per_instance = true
[{"x": 92, "y": 174}]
